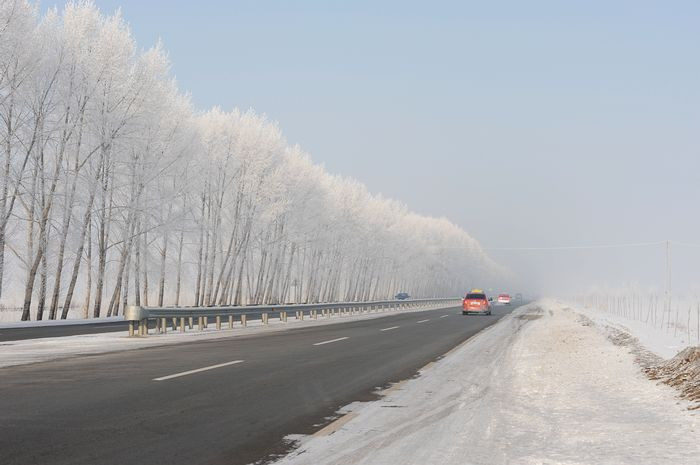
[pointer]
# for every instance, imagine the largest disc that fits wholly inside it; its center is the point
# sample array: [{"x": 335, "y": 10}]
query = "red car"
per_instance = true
[
  {"x": 476, "y": 302},
  {"x": 504, "y": 299}
]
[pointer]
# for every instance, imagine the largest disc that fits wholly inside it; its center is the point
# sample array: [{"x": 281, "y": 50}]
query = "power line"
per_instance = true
[
  {"x": 684, "y": 244},
  {"x": 582, "y": 247},
  {"x": 574, "y": 247}
]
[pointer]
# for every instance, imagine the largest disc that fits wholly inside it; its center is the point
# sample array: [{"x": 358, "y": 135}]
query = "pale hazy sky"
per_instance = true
[{"x": 540, "y": 123}]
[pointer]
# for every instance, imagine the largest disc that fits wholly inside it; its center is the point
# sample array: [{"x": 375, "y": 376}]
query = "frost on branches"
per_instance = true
[{"x": 116, "y": 191}]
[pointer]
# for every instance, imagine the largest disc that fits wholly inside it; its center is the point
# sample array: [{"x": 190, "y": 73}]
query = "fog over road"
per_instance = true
[{"x": 227, "y": 401}]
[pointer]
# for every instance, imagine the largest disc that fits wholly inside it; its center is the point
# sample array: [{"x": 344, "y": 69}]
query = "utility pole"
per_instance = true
[{"x": 668, "y": 274}]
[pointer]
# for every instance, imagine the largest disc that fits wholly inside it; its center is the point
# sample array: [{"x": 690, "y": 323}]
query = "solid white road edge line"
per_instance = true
[
  {"x": 422, "y": 321},
  {"x": 185, "y": 373},
  {"x": 332, "y": 340},
  {"x": 389, "y": 329}
]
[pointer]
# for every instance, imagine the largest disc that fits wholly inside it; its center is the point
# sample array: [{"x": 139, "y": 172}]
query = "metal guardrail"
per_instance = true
[{"x": 184, "y": 317}]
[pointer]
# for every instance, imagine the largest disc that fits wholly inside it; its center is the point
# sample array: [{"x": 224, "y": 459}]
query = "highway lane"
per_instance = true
[{"x": 227, "y": 401}]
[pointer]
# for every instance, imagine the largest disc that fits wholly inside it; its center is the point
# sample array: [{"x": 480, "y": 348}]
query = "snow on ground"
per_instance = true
[
  {"x": 542, "y": 386},
  {"x": 10, "y": 315},
  {"x": 40, "y": 350},
  {"x": 662, "y": 340},
  {"x": 75, "y": 321}
]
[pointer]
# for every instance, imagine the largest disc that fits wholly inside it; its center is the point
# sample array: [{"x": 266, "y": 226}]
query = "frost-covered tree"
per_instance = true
[{"x": 115, "y": 191}]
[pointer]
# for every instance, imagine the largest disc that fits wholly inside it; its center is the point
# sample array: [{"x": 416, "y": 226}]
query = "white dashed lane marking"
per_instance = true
[
  {"x": 332, "y": 340},
  {"x": 185, "y": 373}
]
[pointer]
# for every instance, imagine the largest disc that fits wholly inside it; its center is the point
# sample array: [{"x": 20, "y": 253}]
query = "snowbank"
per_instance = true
[{"x": 543, "y": 385}]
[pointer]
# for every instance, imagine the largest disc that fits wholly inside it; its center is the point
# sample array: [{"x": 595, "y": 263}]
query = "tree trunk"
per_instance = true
[
  {"x": 86, "y": 230},
  {"x": 145, "y": 264},
  {"x": 179, "y": 270},
  {"x": 88, "y": 284},
  {"x": 161, "y": 282}
]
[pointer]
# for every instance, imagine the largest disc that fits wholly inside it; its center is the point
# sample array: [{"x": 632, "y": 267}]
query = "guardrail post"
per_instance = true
[
  {"x": 230, "y": 321},
  {"x": 191, "y": 322},
  {"x": 182, "y": 324},
  {"x": 164, "y": 324},
  {"x": 131, "y": 329},
  {"x": 244, "y": 321},
  {"x": 264, "y": 318},
  {"x": 218, "y": 322}
]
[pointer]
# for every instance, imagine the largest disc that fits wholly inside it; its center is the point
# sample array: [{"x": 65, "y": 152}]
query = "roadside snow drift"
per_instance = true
[{"x": 543, "y": 386}]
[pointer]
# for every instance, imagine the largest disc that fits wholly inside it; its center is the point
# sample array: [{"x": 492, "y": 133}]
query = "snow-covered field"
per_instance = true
[
  {"x": 45, "y": 349},
  {"x": 545, "y": 385},
  {"x": 664, "y": 340}
]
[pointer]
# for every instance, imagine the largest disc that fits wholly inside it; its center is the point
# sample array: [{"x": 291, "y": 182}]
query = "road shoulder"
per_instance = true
[{"x": 540, "y": 386}]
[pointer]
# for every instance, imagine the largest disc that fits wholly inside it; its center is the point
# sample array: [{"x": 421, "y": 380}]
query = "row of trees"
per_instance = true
[{"x": 114, "y": 191}]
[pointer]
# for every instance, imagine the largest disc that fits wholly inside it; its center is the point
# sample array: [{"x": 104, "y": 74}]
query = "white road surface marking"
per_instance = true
[
  {"x": 444, "y": 316},
  {"x": 389, "y": 329},
  {"x": 185, "y": 373},
  {"x": 423, "y": 321},
  {"x": 332, "y": 340}
]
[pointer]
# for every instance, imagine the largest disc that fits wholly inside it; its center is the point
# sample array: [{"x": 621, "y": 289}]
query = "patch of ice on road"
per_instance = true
[{"x": 539, "y": 387}]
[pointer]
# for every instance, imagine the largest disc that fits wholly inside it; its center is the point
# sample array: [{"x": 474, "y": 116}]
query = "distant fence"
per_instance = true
[
  {"x": 184, "y": 317},
  {"x": 679, "y": 316}
]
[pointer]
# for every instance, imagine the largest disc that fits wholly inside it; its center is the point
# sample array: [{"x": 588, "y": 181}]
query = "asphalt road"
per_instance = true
[{"x": 232, "y": 400}]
